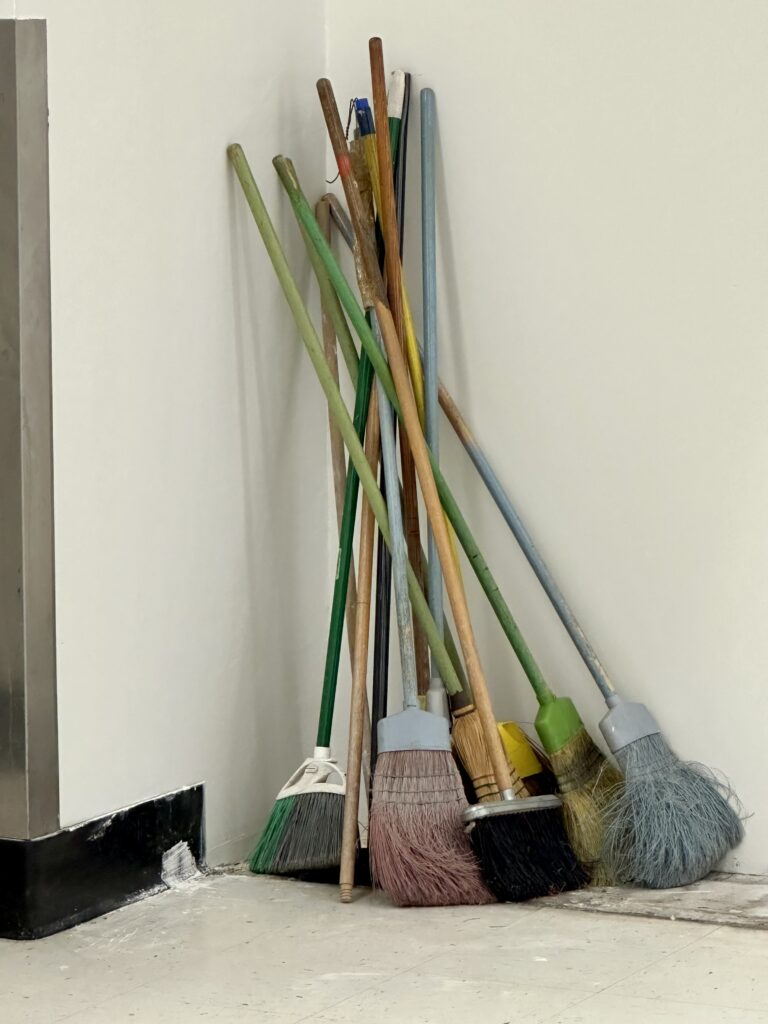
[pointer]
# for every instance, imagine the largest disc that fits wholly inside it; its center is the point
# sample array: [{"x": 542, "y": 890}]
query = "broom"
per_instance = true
[
  {"x": 671, "y": 823},
  {"x": 419, "y": 852},
  {"x": 523, "y": 847},
  {"x": 303, "y": 832}
]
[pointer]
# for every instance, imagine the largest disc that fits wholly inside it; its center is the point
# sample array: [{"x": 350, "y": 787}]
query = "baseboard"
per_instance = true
[{"x": 63, "y": 879}]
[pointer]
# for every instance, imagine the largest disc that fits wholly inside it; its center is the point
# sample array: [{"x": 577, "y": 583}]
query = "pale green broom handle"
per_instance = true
[{"x": 335, "y": 401}]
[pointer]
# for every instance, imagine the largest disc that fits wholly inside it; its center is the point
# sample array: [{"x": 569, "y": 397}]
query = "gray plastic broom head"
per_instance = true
[
  {"x": 413, "y": 729},
  {"x": 626, "y": 722}
]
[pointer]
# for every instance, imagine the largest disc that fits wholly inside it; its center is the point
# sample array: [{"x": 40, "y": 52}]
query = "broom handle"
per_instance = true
[
  {"x": 344, "y": 558},
  {"x": 514, "y": 522},
  {"x": 389, "y": 227},
  {"x": 338, "y": 462},
  {"x": 399, "y": 551},
  {"x": 429, "y": 285},
  {"x": 357, "y": 715},
  {"x": 544, "y": 694},
  {"x": 338, "y": 452},
  {"x": 332, "y": 393}
]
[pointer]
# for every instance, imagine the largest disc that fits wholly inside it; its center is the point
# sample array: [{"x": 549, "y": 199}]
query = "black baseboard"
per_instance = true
[{"x": 60, "y": 880}]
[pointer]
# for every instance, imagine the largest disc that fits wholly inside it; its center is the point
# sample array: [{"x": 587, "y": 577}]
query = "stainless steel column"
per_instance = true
[{"x": 29, "y": 767}]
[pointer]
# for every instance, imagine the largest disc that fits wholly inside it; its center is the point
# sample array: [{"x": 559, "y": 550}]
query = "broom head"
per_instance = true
[
  {"x": 588, "y": 782},
  {"x": 303, "y": 832},
  {"x": 469, "y": 743},
  {"x": 419, "y": 852},
  {"x": 671, "y": 823},
  {"x": 523, "y": 849}
]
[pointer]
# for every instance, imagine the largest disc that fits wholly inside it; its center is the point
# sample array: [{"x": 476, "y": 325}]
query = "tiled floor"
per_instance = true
[{"x": 244, "y": 949}]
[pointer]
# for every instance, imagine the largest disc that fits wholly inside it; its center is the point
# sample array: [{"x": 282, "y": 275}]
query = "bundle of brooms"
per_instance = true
[{"x": 668, "y": 825}]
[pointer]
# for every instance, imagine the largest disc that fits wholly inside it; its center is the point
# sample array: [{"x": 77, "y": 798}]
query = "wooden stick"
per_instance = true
[
  {"x": 390, "y": 231},
  {"x": 356, "y": 757},
  {"x": 339, "y": 465}
]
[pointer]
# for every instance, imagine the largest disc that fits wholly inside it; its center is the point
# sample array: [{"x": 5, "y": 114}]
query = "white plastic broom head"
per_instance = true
[{"x": 318, "y": 774}]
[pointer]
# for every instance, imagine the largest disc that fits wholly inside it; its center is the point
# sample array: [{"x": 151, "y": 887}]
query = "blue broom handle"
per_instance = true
[
  {"x": 531, "y": 552},
  {"x": 429, "y": 285},
  {"x": 398, "y": 546}
]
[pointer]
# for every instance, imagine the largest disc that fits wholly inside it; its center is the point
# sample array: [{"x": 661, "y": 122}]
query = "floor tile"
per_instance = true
[
  {"x": 728, "y": 967},
  {"x": 269, "y": 977},
  {"x": 420, "y": 998},
  {"x": 41, "y": 985},
  {"x": 607, "y": 1008},
  {"x": 147, "y": 1007}
]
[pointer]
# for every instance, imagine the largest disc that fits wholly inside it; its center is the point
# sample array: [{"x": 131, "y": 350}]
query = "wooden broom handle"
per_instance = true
[
  {"x": 357, "y": 715},
  {"x": 388, "y": 211},
  {"x": 437, "y": 522}
]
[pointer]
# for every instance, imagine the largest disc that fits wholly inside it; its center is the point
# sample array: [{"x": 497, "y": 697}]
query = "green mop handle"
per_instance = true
[
  {"x": 303, "y": 211},
  {"x": 343, "y": 561}
]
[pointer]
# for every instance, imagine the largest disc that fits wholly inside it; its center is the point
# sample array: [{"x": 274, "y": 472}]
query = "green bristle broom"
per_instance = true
[{"x": 303, "y": 832}]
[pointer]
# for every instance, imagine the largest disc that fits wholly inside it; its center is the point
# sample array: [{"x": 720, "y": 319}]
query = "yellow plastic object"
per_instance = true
[{"x": 518, "y": 749}]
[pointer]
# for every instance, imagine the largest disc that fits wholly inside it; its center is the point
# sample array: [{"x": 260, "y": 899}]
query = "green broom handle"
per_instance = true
[
  {"x": 335, "y": 402},
  {"x": 307, "y": 219},
  {"x": 343, "y": 562}
]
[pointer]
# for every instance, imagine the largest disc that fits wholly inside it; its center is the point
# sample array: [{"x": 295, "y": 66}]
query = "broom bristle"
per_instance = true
[
  {"x": 526, "y": 854},
  {"x": 304, "y": 836},
  {"x": 264, "y": 854},
  {"x": 671, "y": 823},
  {"x": 588, "y": 782},
  {"x": 469, "y": 742},
  {"x": 419, "y": 851}
]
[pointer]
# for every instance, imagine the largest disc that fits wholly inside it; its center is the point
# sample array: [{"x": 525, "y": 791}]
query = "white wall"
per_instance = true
[
  {"x": 603, "y": 256},
  {"x": 603, "y": 253},
  {"x": 191, "y": 482}
]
